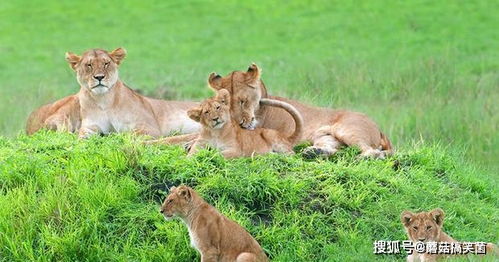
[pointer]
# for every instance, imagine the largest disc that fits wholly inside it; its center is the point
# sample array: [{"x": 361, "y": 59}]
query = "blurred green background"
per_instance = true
[{"x": 424, "y": 70}]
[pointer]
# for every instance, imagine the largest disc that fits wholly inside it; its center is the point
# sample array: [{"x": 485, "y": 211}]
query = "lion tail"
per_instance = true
[
  {"x": 297, "y": 134},
  {"x": 386, "y": 145}
]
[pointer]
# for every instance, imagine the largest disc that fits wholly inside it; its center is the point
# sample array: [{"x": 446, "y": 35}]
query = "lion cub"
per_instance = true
[
  {"x": 427, "y": 227},
  {"x": 212, "y": 234},
  {"x": 220, "y": 131}
]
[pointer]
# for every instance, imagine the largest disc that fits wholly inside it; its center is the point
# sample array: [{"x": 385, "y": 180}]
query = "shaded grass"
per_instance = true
[{"x": 65, "y": 200}]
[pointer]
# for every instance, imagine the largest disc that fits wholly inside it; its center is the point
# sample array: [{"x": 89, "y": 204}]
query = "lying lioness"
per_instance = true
[
  {"x": 62, "y": 115},
  {"x": 212, "y": 234},
  {"x": 327, "y": 129},
  {"x": 107, "y": 105},
  {"x": 427, "y": 227},
  {"x": 220, "y": 131}
]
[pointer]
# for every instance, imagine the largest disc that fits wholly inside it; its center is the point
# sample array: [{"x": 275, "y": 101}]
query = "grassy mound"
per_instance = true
[{"x": 65, "y": 200}]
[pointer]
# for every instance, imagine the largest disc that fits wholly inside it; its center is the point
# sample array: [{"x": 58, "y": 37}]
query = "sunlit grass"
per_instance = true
[
  {"x": 64, "y": 199},
  {"x": 421, "y": 69}
]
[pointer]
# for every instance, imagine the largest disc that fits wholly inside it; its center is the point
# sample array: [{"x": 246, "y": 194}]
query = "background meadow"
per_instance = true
[{"x": 426, "y": 71}]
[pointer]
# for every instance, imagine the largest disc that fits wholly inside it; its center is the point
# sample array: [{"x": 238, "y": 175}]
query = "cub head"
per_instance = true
[
  {"x": 214, "y": 112},
  {"x": 97, "y": 69},
  {"x": 423, "y": 226},
  {"x": 178, "y": 202},
  {"x": 246, "y": 90}
]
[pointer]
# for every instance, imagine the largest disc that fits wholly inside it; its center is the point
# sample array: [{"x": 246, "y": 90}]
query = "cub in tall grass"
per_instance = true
[
  {"x": 427, "y": 227},
  {"x": 212, "y": 234},
  {"x": 219, "y": 130}
]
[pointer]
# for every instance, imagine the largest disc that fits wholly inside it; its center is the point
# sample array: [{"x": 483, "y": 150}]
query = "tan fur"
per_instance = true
[
  {"x": 215, "y": 236},
  {"x": 108, "y": 106},
  {"x": 186, "y": 140},
  {"x": 428, "y": 227},
  {"x": 62, "y": 115},
  {"x": 327, "y": 129},
  {"x": 220, "y": 131}
]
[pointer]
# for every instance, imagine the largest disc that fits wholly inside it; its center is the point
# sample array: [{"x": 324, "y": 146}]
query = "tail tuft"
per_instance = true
[{"x": 386, "y": 145}]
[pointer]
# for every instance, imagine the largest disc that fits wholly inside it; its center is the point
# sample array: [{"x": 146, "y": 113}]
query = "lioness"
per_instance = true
[
  {"x": 327, "y": 129},
  {"x": 220, "y": 131},
  {"x": 427, "y": 227},
  {"x": 62, "y": 115},
  {"x": 107, "y": 105},
  {"x": 212, "y": 234}
]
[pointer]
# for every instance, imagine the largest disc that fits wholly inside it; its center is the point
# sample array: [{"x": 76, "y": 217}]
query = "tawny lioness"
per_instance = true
[{"x": 108, "y": 105}]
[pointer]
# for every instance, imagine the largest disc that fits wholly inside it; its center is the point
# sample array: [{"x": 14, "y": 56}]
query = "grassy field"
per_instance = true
[
  {"x": 64, "y": 200},
  {"x": 422, "y": 69},
  {"x": 426, "y": 71}
]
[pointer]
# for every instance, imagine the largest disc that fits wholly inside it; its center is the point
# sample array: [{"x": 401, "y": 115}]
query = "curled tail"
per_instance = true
[
  {"x": 386, "y": 145},
  {"x": 293, "y": 138}
]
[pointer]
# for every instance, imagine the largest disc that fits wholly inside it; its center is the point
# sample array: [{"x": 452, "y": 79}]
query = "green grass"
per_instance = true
[
  {"x": 65, "y": 200},
  {"x": 426, "y": 71},
  {"x": 421, "y": 69}
]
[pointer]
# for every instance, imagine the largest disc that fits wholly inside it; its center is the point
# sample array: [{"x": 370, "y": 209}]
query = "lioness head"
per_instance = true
[
  {"x": 246, "y": 90},
  {"x": 178, "y": 202},
  {"x": 423, "y": 226},
  {"x": 213, "y": 112},
  {"x": 96, "y": 69}
]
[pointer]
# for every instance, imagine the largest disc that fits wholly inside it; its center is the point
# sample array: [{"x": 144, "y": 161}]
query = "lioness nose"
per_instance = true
[
  {"x": 215, "y": 119},
  {"x": 99, "y": 77},
  {"x": 421, "y": 239}
]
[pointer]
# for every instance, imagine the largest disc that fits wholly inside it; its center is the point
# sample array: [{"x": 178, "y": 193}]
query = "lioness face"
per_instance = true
[
  {"x": 214, "y": 112},
  {"x": 246, "y": 92},
  {"x": 177, "y": 202},
  {"x": 423, "y": 226},
  {"x": 97, "y": 69}
]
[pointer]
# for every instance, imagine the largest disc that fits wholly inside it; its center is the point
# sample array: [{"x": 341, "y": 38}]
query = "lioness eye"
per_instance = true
[
  {"x": 106, "y": 64},
  {"x": 415, "y": 228},
  {"x": 218, "y": 107},
  {"x": 428, "y": 227},
  {"x": 205, "y": 112},
  {"x": 89, "y": 65}
]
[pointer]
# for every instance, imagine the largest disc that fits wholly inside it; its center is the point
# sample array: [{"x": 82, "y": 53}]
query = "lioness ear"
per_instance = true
[
  {"x": 173, "y": 188},
  {"x": 438, "y": 215},
  {"x": 184, "y": 192},
  {"x": 195, "y": 114},
  {"x": 253, "y": 73},
  {"x": 223, "y": 96},
  {"x": 118, "y": 55},
  {"x": 72, "y": 59},
  {"x": 406, "y": 217},
  {"x": 215, "y": 81}
]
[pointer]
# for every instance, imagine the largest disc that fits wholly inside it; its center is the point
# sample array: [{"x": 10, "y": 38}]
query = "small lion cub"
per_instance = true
[
  {"x": 220, "y": 131},
  {"x": 427, "y": 227},
  {"x": 212, "y": 234}
]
